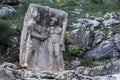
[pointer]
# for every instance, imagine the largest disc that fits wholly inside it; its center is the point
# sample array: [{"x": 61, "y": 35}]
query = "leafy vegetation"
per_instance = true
[
  {"x": 106, "y": 2},
  {"x": 72, "y": 52},
  {"x": 88, "y": 62},
  {"x": 71, "y": 2},
  {"x": 49, "y": 76},
  {"x": 74, "y": 49},
  {"x": 5, "y": 32},
  {"x": 1, "y": 60}
]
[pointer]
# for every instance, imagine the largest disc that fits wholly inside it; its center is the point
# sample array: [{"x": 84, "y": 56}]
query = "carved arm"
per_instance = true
[
  {"x": 63, "y": 29},
  {"x": 41, "y": 37},
  {"x": 36, "y": 34}
]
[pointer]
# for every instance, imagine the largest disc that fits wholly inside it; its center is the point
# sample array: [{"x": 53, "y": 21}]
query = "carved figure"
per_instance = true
[{"x": 42, "y": 38}]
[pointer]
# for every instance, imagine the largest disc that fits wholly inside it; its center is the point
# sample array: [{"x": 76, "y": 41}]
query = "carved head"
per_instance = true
[
  {"x": 35, "y": 14},
  {"x": 53, "y": 21}
]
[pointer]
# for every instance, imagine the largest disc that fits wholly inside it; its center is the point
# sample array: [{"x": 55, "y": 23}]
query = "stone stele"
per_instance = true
[{"x": 42, "y": 38}]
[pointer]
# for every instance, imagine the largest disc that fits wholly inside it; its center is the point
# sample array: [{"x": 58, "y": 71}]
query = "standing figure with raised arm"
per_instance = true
[{"x": 55, "y": 42}]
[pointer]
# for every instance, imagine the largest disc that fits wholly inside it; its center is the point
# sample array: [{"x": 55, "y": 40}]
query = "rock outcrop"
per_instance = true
[
  {"x": 105, "y": 72},
  {"x": 97, "y": 37},
  {"x": 109, "y": 71},
  {"x": 6, "y": 74}
]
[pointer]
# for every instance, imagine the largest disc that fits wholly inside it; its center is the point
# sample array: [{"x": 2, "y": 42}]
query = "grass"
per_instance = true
[
  {"x": 90, "y": 8},
  {"x": 48, "y": 76},
  {"x": 88, "y": 62},
  {"x": 1, "y": 61}
]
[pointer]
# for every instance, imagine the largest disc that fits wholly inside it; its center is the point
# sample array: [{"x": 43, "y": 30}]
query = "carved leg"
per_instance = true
[
  {"x": 59, "y": 63},
  {"x": 58, "y": 56},
  {"x": 27, "y": 58},
  {"x": 50, "y": 55},
  {"x": 25, "y": 64},
  {"x": 51, "y": 61}
]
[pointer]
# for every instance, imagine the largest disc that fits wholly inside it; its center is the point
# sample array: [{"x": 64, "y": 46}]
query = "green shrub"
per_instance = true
[
  {"x": 71, "y": 2},
  {"x": 96, "y": 1},
  {"x": 88, "y": 62},
  {"x": 72, "y": 52},
  {"x": 5, "y": 33},
  {"x": 74, "y": 49},
  {"x": 106, "y": 2},
  {"x": 6, "y": 42}
]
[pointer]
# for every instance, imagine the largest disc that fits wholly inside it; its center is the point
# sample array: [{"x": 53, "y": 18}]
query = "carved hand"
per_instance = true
[{"x": 41, "y": 37}]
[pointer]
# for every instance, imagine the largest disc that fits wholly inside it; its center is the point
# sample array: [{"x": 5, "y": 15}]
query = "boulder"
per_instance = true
[
  {"x": 81, "y": 37},
  {"x": 110, "y": 68},
  {"x": 6, "y": 11},
  {"x": 102, "y": 70},
  {"x": 110, "y": 22},
  {"x": 99, "y": 37},
  {"x": 108, "y": 77},
  {"x": 74, "y": 64},
  {"x": 105, "y": 50},
  {"x": 10, "y": 66},
  {"x": 6, "y": 74}
]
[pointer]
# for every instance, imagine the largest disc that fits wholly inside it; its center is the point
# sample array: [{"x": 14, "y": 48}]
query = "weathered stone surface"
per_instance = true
[
  {"x": 110, "y": 22},
  {"x": 110, "y": 68},
  {"x": 103, "y": 70},
  {"x": 6, "y": 74},
  {"x": 42, "y": 38},
  {"x": 83, "y": 70},
  {"x": 99, "y": 36},
  {"x": 9, "y": 72},
  {"x": 7, "y": 65},
  {"x": 92, "y": 35},
  {"x": 109, "y": 71},
  {"x": 106, "y": 49},
  {"x": 81, "y": 37},
  {"x": 74, "y": 64},
  {"x": 6, "y": 11},
  {"x": 108, "y": 77}
]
